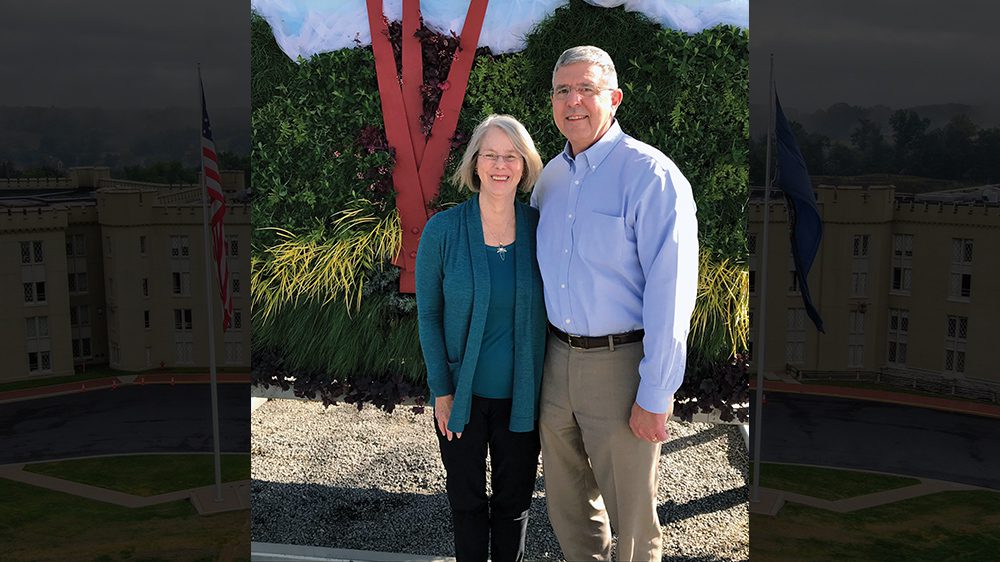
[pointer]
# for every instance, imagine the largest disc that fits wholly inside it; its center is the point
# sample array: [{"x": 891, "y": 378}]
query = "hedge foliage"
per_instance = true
[{"x": 318, "y": 143}]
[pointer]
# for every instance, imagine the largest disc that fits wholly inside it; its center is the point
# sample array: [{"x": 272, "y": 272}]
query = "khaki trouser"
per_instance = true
[{"x": 586, "y": 401}]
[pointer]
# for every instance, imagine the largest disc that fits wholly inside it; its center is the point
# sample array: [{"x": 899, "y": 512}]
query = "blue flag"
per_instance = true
[{"x": 803, "y": 216}]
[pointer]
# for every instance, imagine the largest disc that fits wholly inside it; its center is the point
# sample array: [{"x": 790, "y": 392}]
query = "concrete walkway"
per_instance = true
[
  {"x": 772, "y": 500},
  {"x": 235, "y": 495},
  {"x": 273, "y": 552}
]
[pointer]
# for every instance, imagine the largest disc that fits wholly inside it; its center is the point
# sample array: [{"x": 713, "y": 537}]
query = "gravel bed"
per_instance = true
[{"x": 368, "y": 480}]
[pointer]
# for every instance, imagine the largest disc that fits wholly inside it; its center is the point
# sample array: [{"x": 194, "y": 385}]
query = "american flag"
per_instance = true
[{"x": 217, "y": 206}]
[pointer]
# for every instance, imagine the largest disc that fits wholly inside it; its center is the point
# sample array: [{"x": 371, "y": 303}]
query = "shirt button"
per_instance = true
[
  {"x": 565, "y": 250},
  {"x": 577, "y": 182},
  {"x": 563, "y": 286},
  {"x": 567, "y": 320},
  {"x": 571, "y": 215}
]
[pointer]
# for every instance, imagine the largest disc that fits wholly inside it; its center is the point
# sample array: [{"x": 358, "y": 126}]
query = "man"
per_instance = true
[{"x": 618, "y": 253}]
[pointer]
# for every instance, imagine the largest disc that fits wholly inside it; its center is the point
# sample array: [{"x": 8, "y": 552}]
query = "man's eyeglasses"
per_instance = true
[
  {"x": 584, "y": 90},
  {"x": 507, "y": 158}
]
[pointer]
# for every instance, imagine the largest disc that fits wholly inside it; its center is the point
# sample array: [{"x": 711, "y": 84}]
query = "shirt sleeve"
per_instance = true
[
  {"x": 666, "y": 231},
  {"x": 429, "y": 277}
]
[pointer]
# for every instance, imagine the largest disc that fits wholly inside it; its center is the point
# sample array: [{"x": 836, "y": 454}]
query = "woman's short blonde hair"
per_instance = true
[{"x": 465, "y": 175}]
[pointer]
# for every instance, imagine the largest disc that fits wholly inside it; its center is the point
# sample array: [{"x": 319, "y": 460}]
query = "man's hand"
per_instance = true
[
  {"x": 442, "y": 412},
  {"x": 649, "y": 426}
]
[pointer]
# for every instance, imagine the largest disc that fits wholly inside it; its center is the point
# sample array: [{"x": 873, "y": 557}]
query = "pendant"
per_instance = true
[{"x": 502, "y": 252}]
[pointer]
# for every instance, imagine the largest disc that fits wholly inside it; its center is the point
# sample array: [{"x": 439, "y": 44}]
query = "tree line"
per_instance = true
[{"x": 959, "y": 150}]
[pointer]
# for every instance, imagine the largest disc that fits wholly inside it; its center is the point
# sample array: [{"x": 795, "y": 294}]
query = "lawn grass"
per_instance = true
[
  {"x": 943, "y": 526},
  {"x": 828, "y": 483},
  {"x": 147, "y": 475},
  {"x": 40, "y": 524}
]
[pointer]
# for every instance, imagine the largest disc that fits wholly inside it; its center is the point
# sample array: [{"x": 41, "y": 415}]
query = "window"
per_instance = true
[
  {"x": 77, "y": 282},
  {"x": 145, "y": 286},
  {"x": 179, "y": 247},
  {"x": 182, "y": 319},
  {"x": 142, "y": 245},
  {"x": 81, "y": 348},
  {"x": 37, "y": 327},
  {"x": 902, "y": 263},
  {"x": 237, "y": 319},
  {"x": 31, "y": 252},
  {"x": 36, "y": 330},
  {"x": 960, "y": 279},
  {"x": 899, "y": 326},
  {"x": 793, "y": 281},
  {"x": 233, "y": 243},
  {"x": 859, "y": 264},
  {"x": 751, "y": 244},
  {"x": 76, "y": 245},
  {"x": 795, "y": 341},
  {"x": 34, "y": 292},
  {"x": 79, "y": 315},
  {"x": 753, "y": 282},
  {"x": 181, "y": 283},
  {"x": 860, "y": 245},
  {"x": 956, "y": 336},
  {"x": 856, "y": 339},
  {"x": 145, "y": 319},
  {"x": 236, "y": 284},
  {"x": 39, "y": 361}
]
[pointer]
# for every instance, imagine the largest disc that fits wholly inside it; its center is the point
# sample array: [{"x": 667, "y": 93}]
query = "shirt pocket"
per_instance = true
[{"x": 601, "y": 238}]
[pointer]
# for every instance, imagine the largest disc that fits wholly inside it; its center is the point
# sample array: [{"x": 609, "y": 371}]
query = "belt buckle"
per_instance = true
[{"x": 569, "y": 340}]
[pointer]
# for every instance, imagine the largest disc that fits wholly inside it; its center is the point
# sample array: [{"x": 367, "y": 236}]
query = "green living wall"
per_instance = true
[{"x": 326, "y": 305}]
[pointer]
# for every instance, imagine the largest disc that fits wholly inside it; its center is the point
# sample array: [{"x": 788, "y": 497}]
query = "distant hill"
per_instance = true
[
  {"x": 838, "y": 120},
  {"x": 83, "y": 136}
]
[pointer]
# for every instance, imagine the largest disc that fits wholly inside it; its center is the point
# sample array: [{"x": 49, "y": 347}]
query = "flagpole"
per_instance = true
[
  {"x": 210, "y": 325},
  {"x": 762, "y": 310}
]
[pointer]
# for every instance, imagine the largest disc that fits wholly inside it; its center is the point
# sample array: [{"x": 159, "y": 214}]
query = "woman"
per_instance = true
[{"x": 482, "y": 330}]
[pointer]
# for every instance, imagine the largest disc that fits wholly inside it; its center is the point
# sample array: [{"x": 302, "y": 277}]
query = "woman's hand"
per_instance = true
[{"x": 442, "y": 412}]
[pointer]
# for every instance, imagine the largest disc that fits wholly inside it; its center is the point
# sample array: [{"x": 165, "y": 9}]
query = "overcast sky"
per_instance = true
[
  {"x": 124, "y": 52},
  {"x": 898, "y": 53}
]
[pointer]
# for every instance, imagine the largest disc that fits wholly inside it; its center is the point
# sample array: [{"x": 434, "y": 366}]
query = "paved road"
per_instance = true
[
  {"x": 883, "y": 437},
  {"x": 129, "y": 419}
]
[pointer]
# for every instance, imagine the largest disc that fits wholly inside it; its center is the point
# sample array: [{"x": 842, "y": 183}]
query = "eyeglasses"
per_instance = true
[
  {"x": 507, "y": 158},
  {"x": 584, "y": 90}
]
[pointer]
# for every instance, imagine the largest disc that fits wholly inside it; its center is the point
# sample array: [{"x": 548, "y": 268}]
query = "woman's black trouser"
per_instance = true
[{"x": 497, "y": 523}]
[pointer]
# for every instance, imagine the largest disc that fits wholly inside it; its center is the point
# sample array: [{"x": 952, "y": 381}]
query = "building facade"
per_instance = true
[
  {"x": 900, "y": 281},
  {"x": 108, "y": 272}
]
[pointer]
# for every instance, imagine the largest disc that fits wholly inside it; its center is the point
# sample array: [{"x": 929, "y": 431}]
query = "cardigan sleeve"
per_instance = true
[{"x": 429, "y": 277}]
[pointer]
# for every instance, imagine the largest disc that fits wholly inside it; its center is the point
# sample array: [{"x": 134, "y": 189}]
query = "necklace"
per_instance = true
[{"x": 501, "y": 247}]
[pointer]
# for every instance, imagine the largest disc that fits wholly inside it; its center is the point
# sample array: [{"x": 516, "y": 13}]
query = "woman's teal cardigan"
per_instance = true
[{"x": 453, "y": 296}]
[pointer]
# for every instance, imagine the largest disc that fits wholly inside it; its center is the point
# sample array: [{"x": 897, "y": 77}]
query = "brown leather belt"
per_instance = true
[{"x": 594, "y": 342}]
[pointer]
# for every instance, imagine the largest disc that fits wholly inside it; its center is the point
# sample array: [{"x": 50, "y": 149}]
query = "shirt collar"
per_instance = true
[{"x": 600, "y": 149}]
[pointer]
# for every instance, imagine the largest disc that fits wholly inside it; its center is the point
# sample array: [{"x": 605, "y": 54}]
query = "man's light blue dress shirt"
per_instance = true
[{"x": 618, "y": 251}]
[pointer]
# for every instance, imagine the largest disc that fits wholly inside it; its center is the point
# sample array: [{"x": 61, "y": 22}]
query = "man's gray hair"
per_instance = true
[{"x": 590, "y": 55}]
